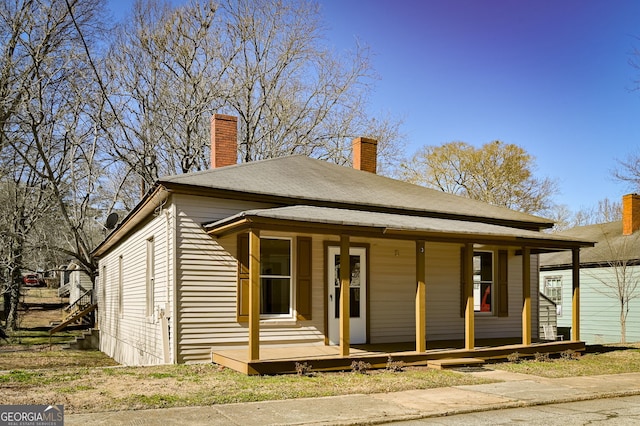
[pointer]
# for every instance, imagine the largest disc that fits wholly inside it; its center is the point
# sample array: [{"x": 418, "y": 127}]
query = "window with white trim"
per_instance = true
[
  {"x": 120, "y": 286},
  {"x": 553, "y": 290},
  {"x": 483, "y": 281},
  {"x": 275, "y": 277}
]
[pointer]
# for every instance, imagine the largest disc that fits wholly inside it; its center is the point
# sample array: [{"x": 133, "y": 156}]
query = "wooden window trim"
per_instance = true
[{"x": 500, "y": 284}]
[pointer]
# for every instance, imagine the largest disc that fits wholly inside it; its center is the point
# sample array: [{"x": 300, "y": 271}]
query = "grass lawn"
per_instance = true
[
  {"x": 75, "y": 379},
  {"x": 89, "y": 381},
  {"x": 91, "y": 389},
  {"x": 598, "y": 359}
]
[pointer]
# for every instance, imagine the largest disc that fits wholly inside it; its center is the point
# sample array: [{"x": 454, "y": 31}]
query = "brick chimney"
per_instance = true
[
  {"x": 630, "y": 213},
  {"x": 365, "y": 154},
  {"x": 224, "y": 140}
]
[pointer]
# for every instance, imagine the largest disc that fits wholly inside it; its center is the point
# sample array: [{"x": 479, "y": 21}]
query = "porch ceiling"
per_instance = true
[{"x": 335, "y": 221}]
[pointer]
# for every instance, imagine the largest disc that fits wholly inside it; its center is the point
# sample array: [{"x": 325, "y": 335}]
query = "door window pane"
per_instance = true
[{"x": 354, "y": 286}]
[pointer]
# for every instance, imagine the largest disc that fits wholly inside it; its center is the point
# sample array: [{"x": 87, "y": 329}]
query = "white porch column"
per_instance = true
[
  {"x": 421, "y": 294},
  {"x": 526, "y": 296},
  {"x": 575, "y": 302},
  {"x": 469, "y": 311},
  {"x": 254, "y": 295},
  {"x": 345, "y": 283}
]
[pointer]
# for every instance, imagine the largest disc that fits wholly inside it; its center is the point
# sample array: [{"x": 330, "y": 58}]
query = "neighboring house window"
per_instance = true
[
  {"x": 151, "y": 273},
  {"x": 482, "y": 281},
  {"x": 120, "y": 286},
  {"x": 275, "y": 276},
  {"x": 553, "y": 290}
]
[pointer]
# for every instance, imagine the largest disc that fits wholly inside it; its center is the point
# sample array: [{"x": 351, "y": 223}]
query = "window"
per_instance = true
[
  {"x": 553, "y": 290},
  {"x": 120, "y": 286},
  {"x": 103, "y": 287},
  {"x": 482, "y": 281},
  {"x": 150, "y": 276},
  {"x": 275, "y": 276}
]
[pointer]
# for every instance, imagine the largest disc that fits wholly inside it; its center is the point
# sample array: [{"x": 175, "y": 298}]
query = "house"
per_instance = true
[
  {"x": 612, "y": 264},
  {"x": 248, "y": 264},
  {"x": 77, "y": 283}
]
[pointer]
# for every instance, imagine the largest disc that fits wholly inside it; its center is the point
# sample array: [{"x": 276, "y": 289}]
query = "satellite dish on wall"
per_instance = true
[{"x": 112, "y": 221}]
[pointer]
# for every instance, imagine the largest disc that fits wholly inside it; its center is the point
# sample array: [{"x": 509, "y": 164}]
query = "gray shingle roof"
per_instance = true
[
  {"x": 389, "y": 224},
  {"x": 311, "y": 181},
  {"x": 610, "y": 245}
]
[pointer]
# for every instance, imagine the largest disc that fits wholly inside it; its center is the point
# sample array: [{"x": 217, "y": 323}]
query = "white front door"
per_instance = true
[{"x": 357, "y": 295}]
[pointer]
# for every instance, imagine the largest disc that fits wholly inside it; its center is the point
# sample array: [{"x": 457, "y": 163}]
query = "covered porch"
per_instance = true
[
  {"x": 257, "y": 358},
  {"x": 283, "y": 360}
]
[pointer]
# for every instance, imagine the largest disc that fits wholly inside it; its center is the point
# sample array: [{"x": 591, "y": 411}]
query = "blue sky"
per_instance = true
[{"x": 550, "y": 76}]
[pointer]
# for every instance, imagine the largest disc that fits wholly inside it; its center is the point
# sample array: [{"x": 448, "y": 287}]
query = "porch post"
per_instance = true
[
  {"x": 345, "y": 283},
  {"x": 575, "y": 302},
  {"x": 421, "y": 293},
  {"x": 254, "y": 295},
  {"x": 469, "y": 311},
  {"x": 526, "y": 296}
]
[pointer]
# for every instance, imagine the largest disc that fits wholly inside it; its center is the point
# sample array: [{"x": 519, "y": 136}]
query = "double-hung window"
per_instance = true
[
  {"x": 275, "y": 277},
  {"x": 120, "y": 298},
  {"x": 483, "y": 281},
  {"x": 553, "y": 290},
  {"x": 285, "y": 276}
]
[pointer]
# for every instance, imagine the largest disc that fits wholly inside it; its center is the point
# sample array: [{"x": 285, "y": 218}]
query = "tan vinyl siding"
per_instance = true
[
  {"x": 207, "y": 283},
  {"x": 127, "y": 333},
  {"x": 443, "y": 292},
  {"x": 392, "y": 286}
]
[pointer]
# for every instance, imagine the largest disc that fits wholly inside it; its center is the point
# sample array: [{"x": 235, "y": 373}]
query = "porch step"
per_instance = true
[{"x": 441, "y": 364}]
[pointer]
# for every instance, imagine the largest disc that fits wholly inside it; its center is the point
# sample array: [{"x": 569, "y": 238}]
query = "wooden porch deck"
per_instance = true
[{"x": 282, "y": 360}]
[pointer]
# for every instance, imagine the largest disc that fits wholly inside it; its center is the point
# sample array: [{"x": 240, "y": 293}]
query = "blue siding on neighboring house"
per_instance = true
[{"x": 599, "y": 308}]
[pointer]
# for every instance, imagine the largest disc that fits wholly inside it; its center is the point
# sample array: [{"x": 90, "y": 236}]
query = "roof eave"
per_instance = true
[
  {"x": 244, "y": 221},
  {"x": 143, "y": 209},
  {"x": 289, "y": 201}
]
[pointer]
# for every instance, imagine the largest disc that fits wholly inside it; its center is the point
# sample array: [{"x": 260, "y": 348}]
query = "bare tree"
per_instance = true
[
  {"x": 605, "y": 211},
  {"x": 620, "y": 273},
  {"x": 497, "y": 173},
  {"x": 291, "y": 93},
  {"x": 265, "y": 61},
  {"x": 24, "y": 202},
  {"x": 47, "y": 128},
  {"x": 628, "y": 171},
  {"x": 164, "y": 81}
]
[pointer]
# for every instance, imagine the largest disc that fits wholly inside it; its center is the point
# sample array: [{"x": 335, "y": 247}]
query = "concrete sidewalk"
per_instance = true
[{"x": 515, "y": 390}]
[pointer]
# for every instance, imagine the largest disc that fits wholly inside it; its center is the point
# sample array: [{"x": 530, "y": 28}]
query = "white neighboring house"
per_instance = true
[
  {"x": 79, "y": 282},
  {"x": 174, "y": 275},
  {"x": 614, "y": 262}
]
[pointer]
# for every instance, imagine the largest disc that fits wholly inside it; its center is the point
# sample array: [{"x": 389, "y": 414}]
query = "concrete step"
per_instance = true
[
  {"x": 441, "y": 364},
  {"x": 90, "y": 339}
]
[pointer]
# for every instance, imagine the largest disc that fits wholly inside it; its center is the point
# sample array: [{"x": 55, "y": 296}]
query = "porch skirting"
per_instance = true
[{"x": 283, "y": 360}]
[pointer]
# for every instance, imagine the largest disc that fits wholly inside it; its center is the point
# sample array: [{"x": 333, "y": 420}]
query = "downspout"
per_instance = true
[{"x": 165, "y": 315}]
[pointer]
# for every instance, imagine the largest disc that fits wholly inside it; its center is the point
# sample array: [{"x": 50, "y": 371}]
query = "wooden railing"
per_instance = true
[
  {"x": 81, "y": 304},
  {"x": 82, "y": 310}
]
